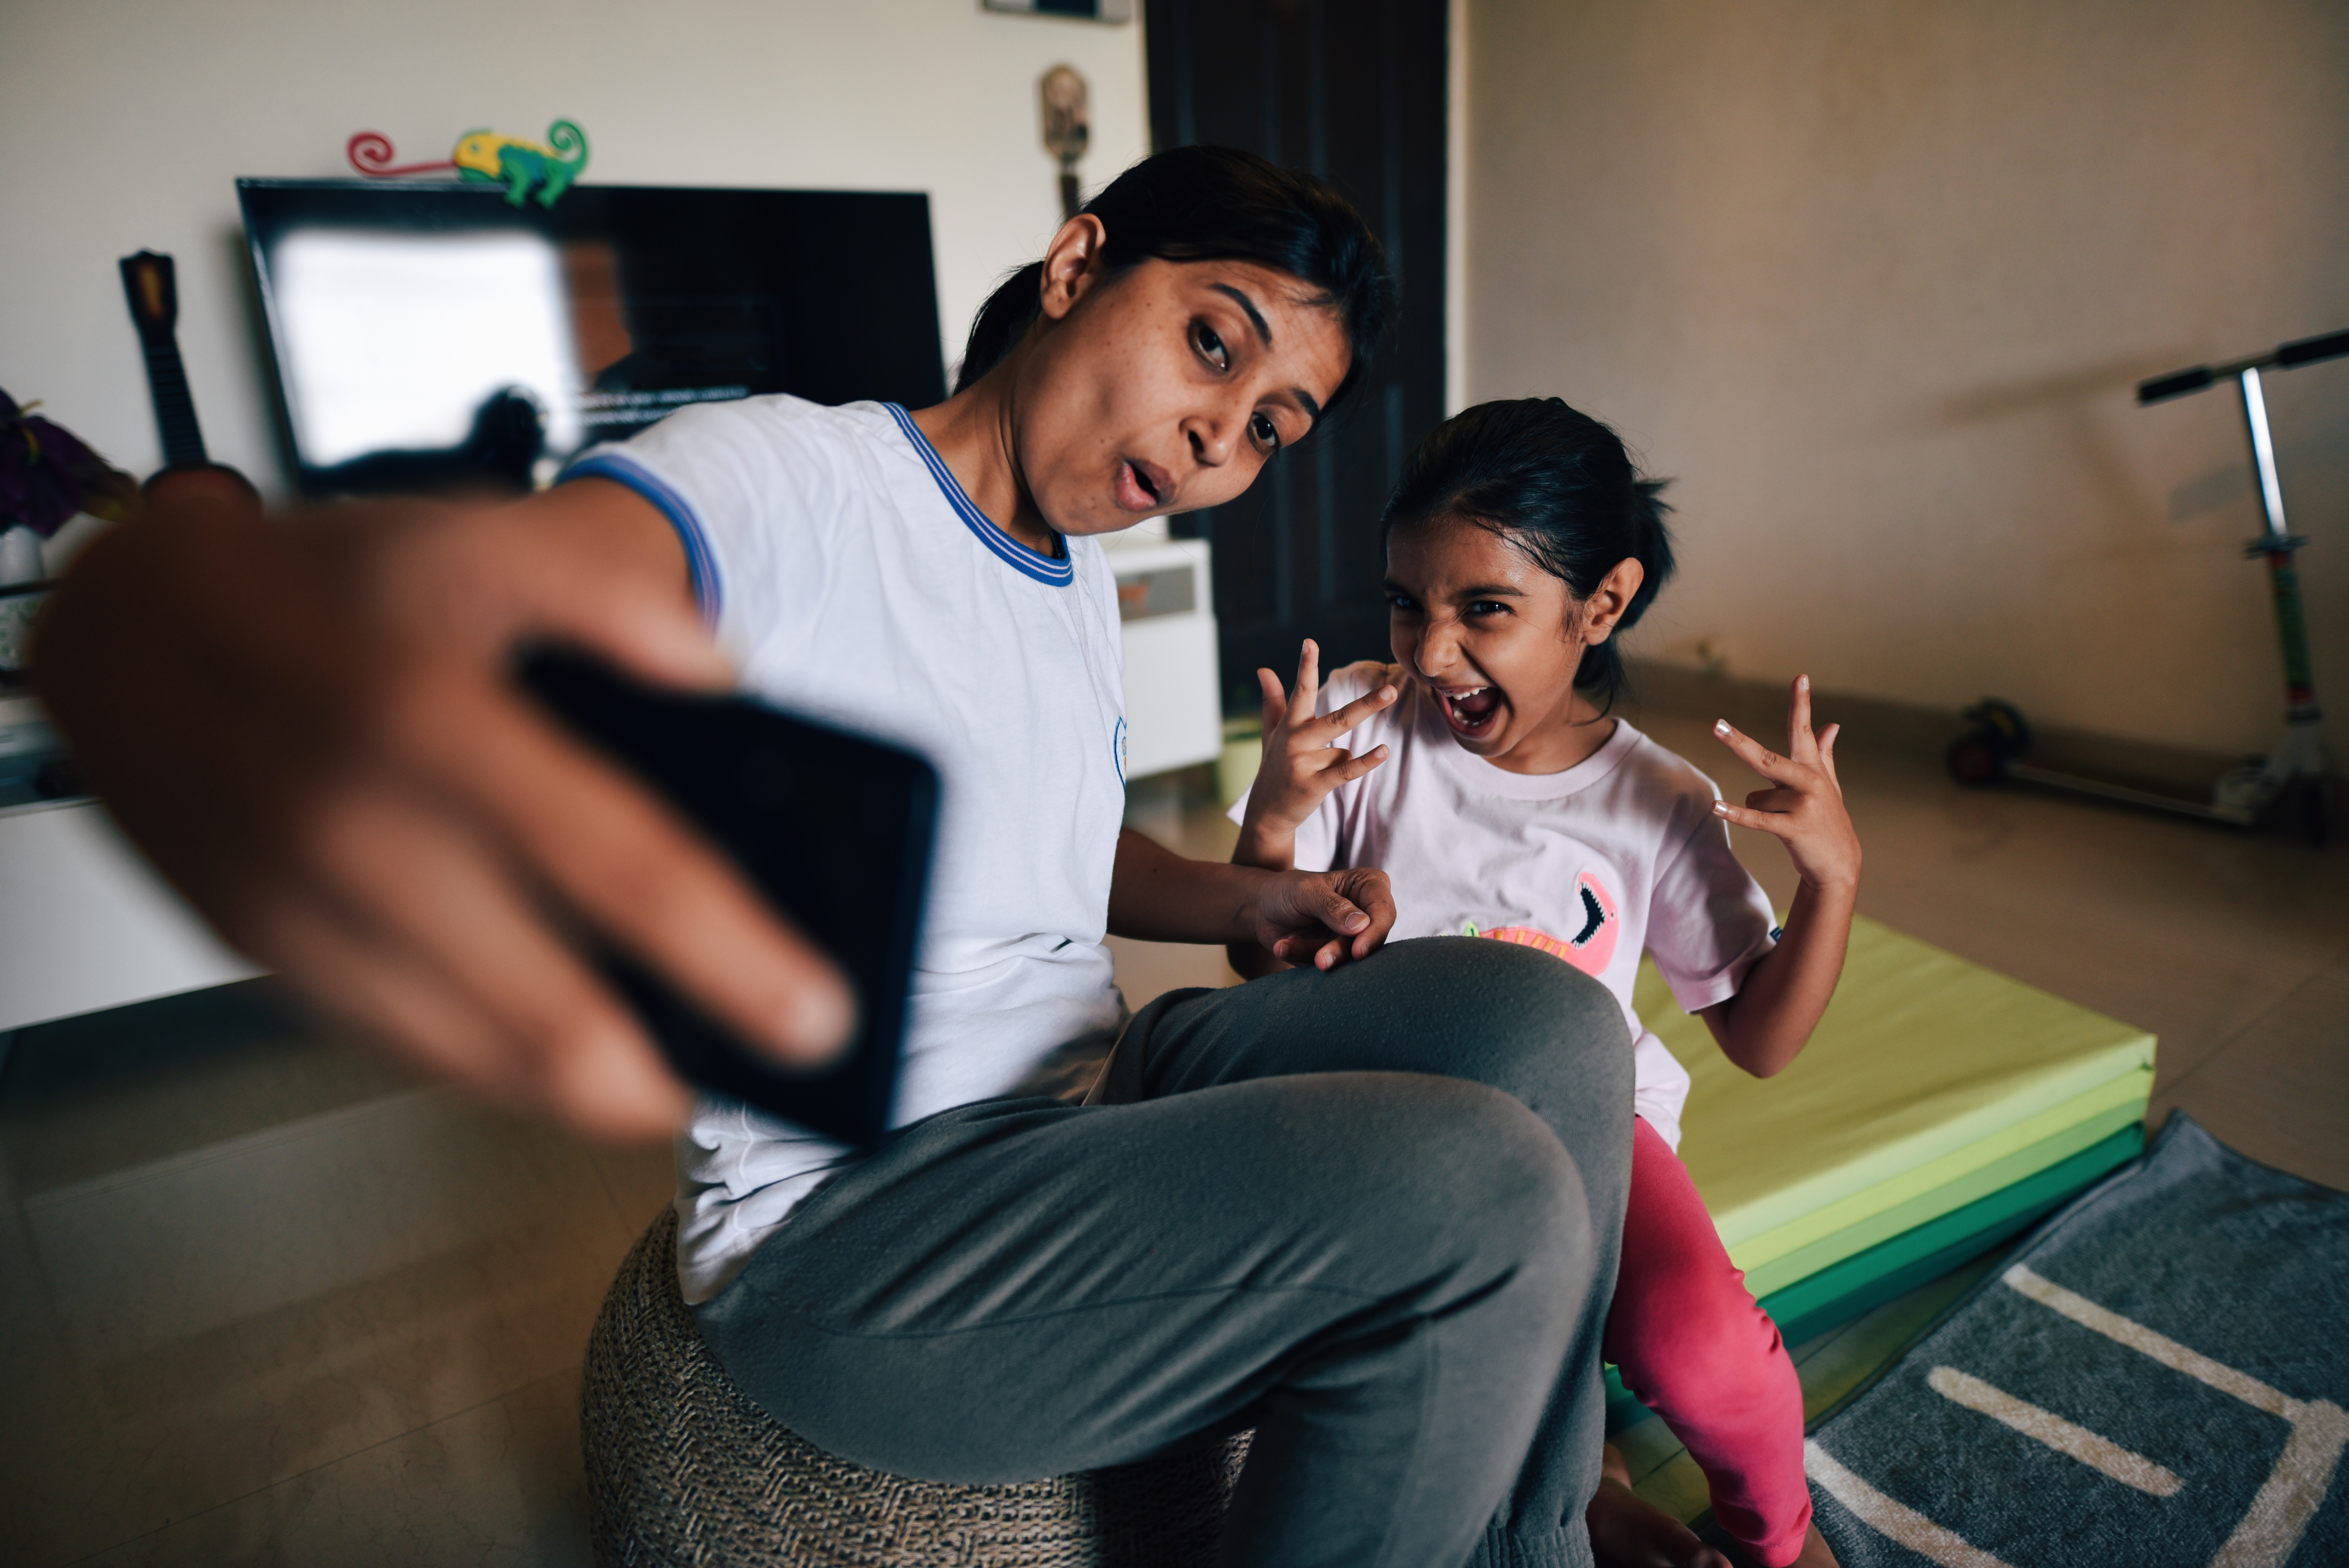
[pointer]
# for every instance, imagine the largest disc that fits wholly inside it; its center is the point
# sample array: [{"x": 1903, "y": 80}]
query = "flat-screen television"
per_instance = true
[{"x": 431, "y": 338}]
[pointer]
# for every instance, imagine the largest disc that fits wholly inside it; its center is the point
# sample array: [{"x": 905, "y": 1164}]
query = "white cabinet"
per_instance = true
[
  {"x": 1173, "y": 716},
  {"x": 85, "y": 925}
]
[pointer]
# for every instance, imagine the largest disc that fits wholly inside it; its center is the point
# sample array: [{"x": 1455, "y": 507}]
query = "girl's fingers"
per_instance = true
[
  {"x": 1799, "y": 743},
  {"x": 1827, "y": 751},
  {"x": 1776, "y": 824},
  {"x": 1309, "y": 677},
  {"x": 1276, "y": 706},
  {"x": 1351, "y": 715},
  {"x": 1753, "y": 753},
  {"x": 1349, "y": 770}
]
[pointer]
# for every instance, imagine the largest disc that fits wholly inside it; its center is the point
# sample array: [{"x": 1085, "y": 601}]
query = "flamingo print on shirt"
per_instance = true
[{"x": 1592, "y": 946}]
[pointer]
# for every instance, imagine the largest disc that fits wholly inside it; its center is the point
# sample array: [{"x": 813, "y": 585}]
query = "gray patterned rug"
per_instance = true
[{"x": 2158, "y": 1377}]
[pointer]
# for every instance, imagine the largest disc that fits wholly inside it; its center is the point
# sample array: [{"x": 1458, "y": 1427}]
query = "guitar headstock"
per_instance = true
[{"x": 147, "y": 279}]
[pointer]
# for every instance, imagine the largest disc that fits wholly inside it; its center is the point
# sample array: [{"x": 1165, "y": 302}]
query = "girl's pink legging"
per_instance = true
[{"x": 1696, "y": 1350}]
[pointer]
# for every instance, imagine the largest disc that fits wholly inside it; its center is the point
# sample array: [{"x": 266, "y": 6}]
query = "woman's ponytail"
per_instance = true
[
  {"x": 1001, "y": 322},
  {"x": 1557, "y": 484}
]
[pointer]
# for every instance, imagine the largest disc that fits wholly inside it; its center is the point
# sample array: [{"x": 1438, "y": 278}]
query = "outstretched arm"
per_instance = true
[
  {"x": 1301, "y": 763},
  {"x": 1320, "y": 918},
  {"x": 1769, "y": 1021},
  {"x": 307, "y": 724}
]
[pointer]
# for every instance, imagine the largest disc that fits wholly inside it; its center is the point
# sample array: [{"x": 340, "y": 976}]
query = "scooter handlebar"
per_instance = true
[
  {"x": 2306, "y": 351},
  {"x": 2309, "y": 350},
  {"x": 2177, "y": 384}
]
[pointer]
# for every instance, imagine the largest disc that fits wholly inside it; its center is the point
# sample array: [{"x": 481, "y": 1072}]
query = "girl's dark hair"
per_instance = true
[
  {"x": 1216, "y": 204},
  {"x": 1558, "y": 485}
]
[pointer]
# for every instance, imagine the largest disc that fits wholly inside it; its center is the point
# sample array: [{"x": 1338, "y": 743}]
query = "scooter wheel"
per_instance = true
[{"x": 1976, "y": 757}]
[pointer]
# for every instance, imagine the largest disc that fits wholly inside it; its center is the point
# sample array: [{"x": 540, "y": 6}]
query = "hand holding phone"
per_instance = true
[{"x": 833, "y": 828}]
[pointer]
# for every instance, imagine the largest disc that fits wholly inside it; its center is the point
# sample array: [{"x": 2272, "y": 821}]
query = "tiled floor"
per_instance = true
[{"x": 264, "y": 1298}]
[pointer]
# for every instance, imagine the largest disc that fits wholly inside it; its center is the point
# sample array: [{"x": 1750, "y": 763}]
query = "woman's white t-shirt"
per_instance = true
[
  {"x": 1618, "y": 855},
  {"x": 851, "y": 579}
]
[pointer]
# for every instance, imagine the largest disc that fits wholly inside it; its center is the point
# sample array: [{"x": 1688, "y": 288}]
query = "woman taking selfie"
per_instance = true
[{"x": 1369, "y": 1206}]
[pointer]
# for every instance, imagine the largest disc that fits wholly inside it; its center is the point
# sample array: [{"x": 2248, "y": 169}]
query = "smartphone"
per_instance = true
[{"x": 833, "y": 828}]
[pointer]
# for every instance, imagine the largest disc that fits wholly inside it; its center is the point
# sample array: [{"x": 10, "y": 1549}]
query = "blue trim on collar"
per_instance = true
[
  {"x": 700, "y": 560},
  {"x": 1060, "y": 570}
]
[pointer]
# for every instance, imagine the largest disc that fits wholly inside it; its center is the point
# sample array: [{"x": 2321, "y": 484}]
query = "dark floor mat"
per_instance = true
[{"x": 2156, "y": 1377}]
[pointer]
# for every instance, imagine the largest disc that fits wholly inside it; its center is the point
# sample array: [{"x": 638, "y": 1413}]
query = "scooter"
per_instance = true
[{"x": 2295, "y": 779}]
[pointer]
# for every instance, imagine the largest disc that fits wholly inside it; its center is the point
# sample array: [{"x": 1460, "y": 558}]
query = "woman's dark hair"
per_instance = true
[
  {"x": 1215, "y": 204},
  {"x": 1558, "y": 485}
]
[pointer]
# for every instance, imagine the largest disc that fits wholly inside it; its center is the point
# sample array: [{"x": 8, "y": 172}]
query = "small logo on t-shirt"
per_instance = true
[
  {"x": 1117, "y": 748},
  {"x": 1592, "y": 946}
]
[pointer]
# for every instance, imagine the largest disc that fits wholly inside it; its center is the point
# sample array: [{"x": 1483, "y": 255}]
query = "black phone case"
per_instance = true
[{"x": 833, "y": 828}]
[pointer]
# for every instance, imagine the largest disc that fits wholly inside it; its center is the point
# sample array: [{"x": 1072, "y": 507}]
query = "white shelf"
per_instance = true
[
  {"x": 1173, "y": 716},
  {"x": 85, "y": 925}
]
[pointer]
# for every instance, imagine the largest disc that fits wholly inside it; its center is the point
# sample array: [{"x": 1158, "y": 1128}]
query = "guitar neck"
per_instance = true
[{"x": 175, "y": 407}]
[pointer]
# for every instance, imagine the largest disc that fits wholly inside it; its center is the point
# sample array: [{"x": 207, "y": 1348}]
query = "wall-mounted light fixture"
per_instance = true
[{"x": 1068, "y": 127}]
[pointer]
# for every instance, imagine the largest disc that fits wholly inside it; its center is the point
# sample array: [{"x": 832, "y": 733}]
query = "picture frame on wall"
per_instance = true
[{"x": 1111, "y": 11}]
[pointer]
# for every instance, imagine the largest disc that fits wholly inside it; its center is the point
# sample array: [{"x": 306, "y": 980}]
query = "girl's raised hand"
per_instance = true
[
  {"x": 1804, "y": 807},
  {"x": 1302, "y": 763}
]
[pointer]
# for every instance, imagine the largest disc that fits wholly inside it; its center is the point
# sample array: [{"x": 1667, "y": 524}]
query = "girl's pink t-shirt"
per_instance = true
[{"x": 1619, "y": 854}]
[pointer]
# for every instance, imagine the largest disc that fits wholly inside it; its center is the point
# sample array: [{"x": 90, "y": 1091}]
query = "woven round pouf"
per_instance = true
[{"x": 683, "y": 1468}]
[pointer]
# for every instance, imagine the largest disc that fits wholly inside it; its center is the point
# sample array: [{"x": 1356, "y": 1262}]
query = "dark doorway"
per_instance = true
[{"x": 1351, "y": 90}]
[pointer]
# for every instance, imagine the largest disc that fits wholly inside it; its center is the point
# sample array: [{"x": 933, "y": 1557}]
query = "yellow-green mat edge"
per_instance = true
[{"x": 1792, "y": 1252}]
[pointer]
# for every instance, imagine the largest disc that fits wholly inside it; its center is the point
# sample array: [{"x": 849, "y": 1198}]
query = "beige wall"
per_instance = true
[
  {"x": 125, "y": 122},
  {"x": 1873, "y": 280}
]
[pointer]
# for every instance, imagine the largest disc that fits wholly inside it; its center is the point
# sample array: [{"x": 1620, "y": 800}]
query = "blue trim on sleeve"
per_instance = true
[
  {"x": 700, "y": 560},
  {"x": 1059, "y": 571}
]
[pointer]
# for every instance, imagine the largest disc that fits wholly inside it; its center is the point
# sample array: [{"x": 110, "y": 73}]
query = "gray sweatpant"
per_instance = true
[{"x": 1373, "y": 1213}]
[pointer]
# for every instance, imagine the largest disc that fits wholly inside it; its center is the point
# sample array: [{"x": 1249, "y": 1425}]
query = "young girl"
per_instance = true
[{"x": 1481, "y": 772}]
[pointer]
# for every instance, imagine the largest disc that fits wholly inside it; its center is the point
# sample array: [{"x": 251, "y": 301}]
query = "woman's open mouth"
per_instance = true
[
  {"x": 1472, "y": 712},
  {"x": 1140, "y": 485}
]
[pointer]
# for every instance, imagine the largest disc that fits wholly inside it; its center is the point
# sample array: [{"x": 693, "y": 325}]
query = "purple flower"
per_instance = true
[{"x": 47, "y": 475}]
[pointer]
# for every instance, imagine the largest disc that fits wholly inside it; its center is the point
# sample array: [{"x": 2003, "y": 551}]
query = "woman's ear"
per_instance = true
[
  {"x": 1604, "y": 610},
  {"x": 1073, "y": 263}
]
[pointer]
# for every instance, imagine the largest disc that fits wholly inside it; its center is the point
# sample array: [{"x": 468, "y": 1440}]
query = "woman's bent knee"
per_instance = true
[
  {"x": 1523, "y": 1021},
  {"x": 1491, "y": 1177}
]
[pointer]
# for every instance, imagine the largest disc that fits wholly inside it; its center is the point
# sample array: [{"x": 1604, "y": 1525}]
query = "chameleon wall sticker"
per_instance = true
[{"x": 545, "y": 169}]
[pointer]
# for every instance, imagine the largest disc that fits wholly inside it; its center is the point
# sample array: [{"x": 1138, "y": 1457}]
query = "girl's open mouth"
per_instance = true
[{"x": 1473, "y": 712}]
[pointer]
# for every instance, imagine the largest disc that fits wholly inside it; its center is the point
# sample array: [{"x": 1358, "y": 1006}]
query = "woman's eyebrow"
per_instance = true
[
  {"x": 1306, "y": 400},
  {"x": 1256, "y": 316}
]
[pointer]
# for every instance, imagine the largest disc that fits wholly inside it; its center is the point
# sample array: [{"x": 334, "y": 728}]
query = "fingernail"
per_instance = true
[
  {"x": 1803, "y": 683},
  {"x": 1721, "y": 726},
  {"x": 1386, "y": 693},
  {"x": 1356, "y": 921},
  {"x": 1720, "y": 808}
]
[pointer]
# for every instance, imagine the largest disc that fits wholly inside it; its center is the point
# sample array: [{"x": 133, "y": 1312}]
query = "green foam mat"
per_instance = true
[
  {"x": 1842, "y": 1292},
  {"x": 1867, "y": 1280},
  {"x": 1925, "y": 1070},
  {"x": 1801, "y": 1261}
]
